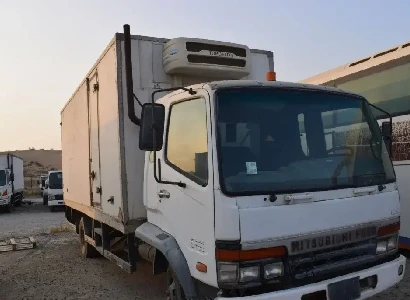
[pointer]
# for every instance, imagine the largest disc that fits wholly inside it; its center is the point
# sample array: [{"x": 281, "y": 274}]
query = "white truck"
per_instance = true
[
  {"x": 230, "y": 187},
  {"x": 11, "y": 181},
  {"x": 53, "y": 190}
]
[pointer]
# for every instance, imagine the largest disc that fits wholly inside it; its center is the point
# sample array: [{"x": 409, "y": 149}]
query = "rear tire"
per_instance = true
[{"x": 87, "y": 251}]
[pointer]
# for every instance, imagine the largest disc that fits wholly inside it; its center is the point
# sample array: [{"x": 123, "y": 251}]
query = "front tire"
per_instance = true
[
  {"x": 87, "y": 251},
  {"x": 174, "y": 288}
]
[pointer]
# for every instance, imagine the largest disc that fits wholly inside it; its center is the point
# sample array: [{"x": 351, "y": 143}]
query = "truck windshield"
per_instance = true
[
  {"x": 55, "y": 181},
  {"x": 292, "y": 140},
  {"x": 3, "y": 178}
]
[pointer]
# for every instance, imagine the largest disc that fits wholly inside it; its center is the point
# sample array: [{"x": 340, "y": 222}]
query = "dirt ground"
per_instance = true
[{"x": 54, "y": 270}]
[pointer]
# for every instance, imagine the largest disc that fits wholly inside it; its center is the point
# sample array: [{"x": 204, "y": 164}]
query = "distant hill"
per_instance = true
[{"x": 37, "y": 162}]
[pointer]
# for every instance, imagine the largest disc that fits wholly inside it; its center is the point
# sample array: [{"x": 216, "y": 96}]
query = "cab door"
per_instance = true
[{"x": 188, "y": 212}]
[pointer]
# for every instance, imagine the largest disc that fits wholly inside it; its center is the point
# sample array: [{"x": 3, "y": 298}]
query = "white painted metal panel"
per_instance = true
[
  {"x": 17, "y": 169},
  {"x": 133, "y": 158},
  {"x": 121, "y": 163},
  {"x": 18, "y": 174},
  {"x": 260, "y": 65},
  {"x": 109, "y": 140},
  {"x": 74, "y": 143}
]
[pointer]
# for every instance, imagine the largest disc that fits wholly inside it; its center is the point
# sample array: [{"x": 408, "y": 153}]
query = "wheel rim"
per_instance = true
[{"x": 174, "y": 289}]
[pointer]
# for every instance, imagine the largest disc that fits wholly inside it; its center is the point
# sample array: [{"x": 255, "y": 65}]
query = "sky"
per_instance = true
[{"x": 48, "y": 46}]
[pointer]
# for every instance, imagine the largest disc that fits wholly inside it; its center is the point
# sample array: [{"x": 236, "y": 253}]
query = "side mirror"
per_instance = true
[
  {"x": 46, "y": 186},
  {"x": 152, "y": 116},
  {"x": 12, "y": 177},
  {"x": 386, "y": 129}
]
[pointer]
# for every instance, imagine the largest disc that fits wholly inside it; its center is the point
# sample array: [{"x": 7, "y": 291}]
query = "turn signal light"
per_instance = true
[
  {"x": 4, "y": 193},
  {"x": 389, "y": 229}
]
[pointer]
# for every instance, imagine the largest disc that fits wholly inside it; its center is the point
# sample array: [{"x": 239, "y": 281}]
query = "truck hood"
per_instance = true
[
  {"x": 270, "y": 224},
  {"x": 55, "y": 191}
]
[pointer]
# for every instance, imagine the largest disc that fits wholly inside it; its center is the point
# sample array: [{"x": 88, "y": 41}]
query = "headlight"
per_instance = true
[
  {"x": 228, "y": 273},
  {"x": 273, "y": 270},
  {"x": 386, "y": 244},
  {"x": 392, "y": 243},
  {"x": 381, "y": 247},
  {"x": 249, "y": 274},
  {"x": 244, "y": 268}
]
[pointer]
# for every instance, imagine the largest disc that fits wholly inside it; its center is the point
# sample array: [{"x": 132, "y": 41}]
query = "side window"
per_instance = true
[{"x": 187, "y": 140}]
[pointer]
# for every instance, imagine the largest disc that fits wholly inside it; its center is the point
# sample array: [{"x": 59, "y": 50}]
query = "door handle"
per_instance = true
[{"x": 163, "y": 194}]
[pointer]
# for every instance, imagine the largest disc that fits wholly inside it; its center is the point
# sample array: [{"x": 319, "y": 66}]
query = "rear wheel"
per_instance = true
[{"x": 87, "y": 251}]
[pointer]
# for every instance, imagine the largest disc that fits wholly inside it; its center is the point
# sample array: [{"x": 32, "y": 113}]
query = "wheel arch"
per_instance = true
[{"x": 169, "y": 248}]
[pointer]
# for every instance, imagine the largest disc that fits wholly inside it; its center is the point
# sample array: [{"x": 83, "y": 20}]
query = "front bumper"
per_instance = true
[
  {"x": 387, "y": 276},
  {"x": 4, "y": 202},
  {"x": 55, "y": 203}
]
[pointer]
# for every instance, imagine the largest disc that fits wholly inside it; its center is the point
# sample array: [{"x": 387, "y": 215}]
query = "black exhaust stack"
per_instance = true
[{"x": 128, "y": 76}]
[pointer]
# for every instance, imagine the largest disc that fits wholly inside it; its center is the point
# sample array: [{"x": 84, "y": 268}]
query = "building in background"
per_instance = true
[{"x": 384, "y": 80}]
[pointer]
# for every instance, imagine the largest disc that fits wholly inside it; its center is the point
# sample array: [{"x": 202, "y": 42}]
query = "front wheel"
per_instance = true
[{"x": 174, "y": 288}]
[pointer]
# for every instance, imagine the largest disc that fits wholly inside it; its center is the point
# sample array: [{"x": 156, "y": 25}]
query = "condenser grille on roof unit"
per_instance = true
[
  {"x": 206, "y": 59},
  {"x": 216, "y": 60},
  {"x": 198, "y": 47}
]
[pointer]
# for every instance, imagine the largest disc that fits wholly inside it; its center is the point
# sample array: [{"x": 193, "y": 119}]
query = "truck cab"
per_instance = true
[
  {"x": 11, "y": 181},
  {"x": 5, "y": 190},
  {"x": 54, "y": 190},
  {"x": 261, "y": 201}
]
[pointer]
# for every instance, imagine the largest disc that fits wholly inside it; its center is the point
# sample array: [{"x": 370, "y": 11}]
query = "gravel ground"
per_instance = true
[{"x": 54, "y": 270}]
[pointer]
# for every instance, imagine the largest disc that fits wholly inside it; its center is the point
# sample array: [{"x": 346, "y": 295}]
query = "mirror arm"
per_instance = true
[{"x": 158, "y": 178}]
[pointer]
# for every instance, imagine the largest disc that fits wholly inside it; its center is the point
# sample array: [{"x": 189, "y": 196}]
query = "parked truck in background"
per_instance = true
[
  {"x": 53, "y": 190},
  {"x": 11, "y": 181},
  {"x": 230, "y": 187}
]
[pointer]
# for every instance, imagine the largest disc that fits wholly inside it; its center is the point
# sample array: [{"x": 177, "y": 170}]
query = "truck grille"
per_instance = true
[
  {"x": 59, "y": 197},
  {"x": 326, "y": 262}
]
